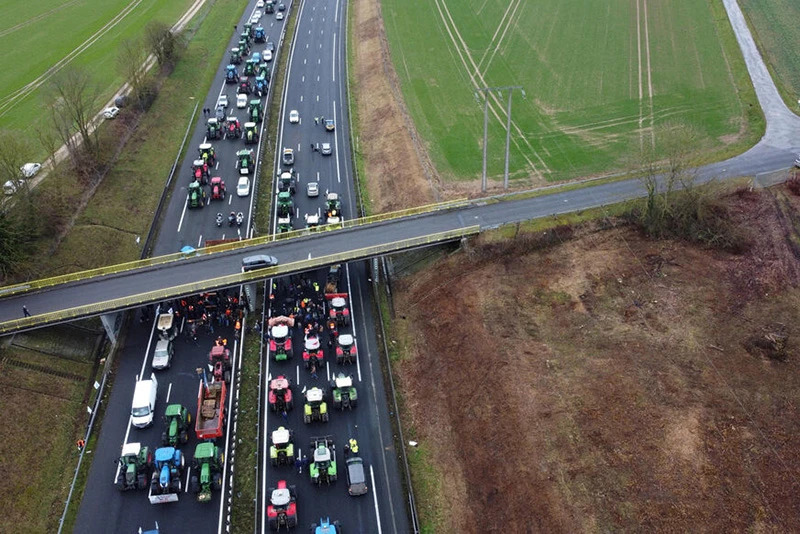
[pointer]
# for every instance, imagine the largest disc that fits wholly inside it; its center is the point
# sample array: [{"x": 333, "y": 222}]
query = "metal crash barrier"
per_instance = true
[{"x": 141, "y": 299}]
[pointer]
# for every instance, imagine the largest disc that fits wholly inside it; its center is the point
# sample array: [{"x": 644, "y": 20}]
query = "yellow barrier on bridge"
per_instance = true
[
  {"x": 231, "y": 280},
  {"x": 224, "y": 247}
]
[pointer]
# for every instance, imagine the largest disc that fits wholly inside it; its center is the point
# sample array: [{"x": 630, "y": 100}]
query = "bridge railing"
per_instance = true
[
  {"x": 141, "y": 299},
  {"x": 224, "y": 247}
]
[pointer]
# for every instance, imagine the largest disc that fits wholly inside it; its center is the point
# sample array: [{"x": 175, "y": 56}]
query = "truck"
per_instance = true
[{"x": 210, "y": 410}]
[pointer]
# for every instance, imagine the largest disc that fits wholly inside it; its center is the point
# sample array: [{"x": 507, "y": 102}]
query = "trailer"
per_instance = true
[{"x": 210, "y": 410}]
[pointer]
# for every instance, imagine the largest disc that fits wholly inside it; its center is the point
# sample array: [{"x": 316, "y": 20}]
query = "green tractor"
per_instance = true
[
  {"x": 135, "y": 464},
  {"x": 250, "y": 67},
  {"x": 236, "y": 56},
  {"x": 263, "y": 70},
  {"x": 333, "y": 208},
  {"x": 244, "y": 47},
  {"x": 256, "y": 111},
  {"x": 244, "y": 161},
  {"x": 178, "y": 421},
  {"x": 281, "y": 452},
  {"x": 197, "y": 195},
  {"x": 286, "y": 181},
  {"x": 315, "y": 409},
  {"x": 248, "y": 30},
  {"x": 213, "y": 128},
  {"x": 284, "y": 224},
  {"x": 323, "y": 467},
  {"x": 285, "y": 205},
  {"x": 206, "y": 470},
  {"x": 345, "y": 396},
  {"x": 250, "y": 133}
]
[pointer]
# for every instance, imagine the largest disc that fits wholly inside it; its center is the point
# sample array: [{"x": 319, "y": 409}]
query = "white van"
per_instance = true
[{"x": 144, "y": 402}]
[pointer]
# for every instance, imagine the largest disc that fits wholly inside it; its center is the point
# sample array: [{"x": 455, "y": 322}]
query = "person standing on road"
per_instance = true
[{"x": 25, "y": 312}]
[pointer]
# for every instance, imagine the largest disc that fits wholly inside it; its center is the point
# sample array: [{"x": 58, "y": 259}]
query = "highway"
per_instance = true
[{"x": 103, "y": 509}]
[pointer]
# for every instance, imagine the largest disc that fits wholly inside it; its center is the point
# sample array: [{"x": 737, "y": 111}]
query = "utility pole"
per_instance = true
[{"x": 486, "y": 91}]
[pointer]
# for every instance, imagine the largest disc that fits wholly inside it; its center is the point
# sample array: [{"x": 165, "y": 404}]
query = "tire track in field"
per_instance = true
[
  {"x": 641, "y": 20},
  {"x": 477, "y": 80},
  {"x": 37, "y": 18},
  {"x": 8, "y": 102},
  {"x": 496, "y": 31},
  {"x": 496, "y": 48},
  {"x": 649, "y": 75}
]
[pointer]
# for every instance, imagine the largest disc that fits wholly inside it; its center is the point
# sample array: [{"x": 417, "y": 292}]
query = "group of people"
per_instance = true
[{"x": 206, "y": 310}]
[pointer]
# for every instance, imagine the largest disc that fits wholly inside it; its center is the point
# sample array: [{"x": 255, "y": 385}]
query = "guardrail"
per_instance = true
[
  {"x": 225, "y": 247},
  {"x": 140, "y": 299}
]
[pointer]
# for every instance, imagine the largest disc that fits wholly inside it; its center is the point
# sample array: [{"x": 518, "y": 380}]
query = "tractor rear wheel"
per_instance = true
[
  {"x": 141, "y": 481},
  {"x": 216, "y": 483}
]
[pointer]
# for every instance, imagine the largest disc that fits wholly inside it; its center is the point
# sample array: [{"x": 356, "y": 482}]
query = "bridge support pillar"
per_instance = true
[
  {"x": 112, "y": 322},
  {"x": 251, "y": 291}
]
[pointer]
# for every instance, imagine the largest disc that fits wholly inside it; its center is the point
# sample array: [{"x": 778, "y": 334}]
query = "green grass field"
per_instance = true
[
  {"x": 599, "y": 78},
  {"x": 37, "y": 34},
  {"x": 775, "y": 29}
]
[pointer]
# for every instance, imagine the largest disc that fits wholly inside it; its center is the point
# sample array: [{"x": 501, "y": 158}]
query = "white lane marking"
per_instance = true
[
  {"x": 230, "y": 199},
  {"x": 183, "y": 322},
  {"x": 189, "y": 473},
  {"x": 317, "y": 98},
  {"x": 301, "y": 98},
  {"x": 169, "y": 392},
  {"x": 333, "y": 58},
  {"x": 222, "y": 499},
  {"x": 303, "y": 78},
  {"x": 298, "y": 374},
  {"x": 336, "y": 147},
  {"x": 183, "y": 213},
  {"x": 328, "y": 370},
  {"x": 335, "y": 13},
  {"x": 199, "y": 240},
  {"x": 353, "y": 319},
  {"x": 317, "y": 77},
  {"x": 216, "y": 166},
  {"x": 205, "y": 139},
  {"x": 305, "y": 61},
  {"x": 318, "y": 176},
  {"x": 306, "y": 46},
  {"x": 223, "y": 236},
  {"x": 375, "y": 498}
]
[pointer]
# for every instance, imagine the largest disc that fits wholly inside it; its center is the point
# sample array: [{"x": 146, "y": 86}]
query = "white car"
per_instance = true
[
  {"x": 294, "y": 116},
  {"x": 111, "y": 112},
  {"x": 279, "y": 16},
  {"x": 241, "y": 101},
  {"x": 267, "y": 55},
  {"x": 11, "y": 186},
  {"x": 257, "y": 14},
  {"x": 326, "y": 149},
  {"x": 29, "y": 170},
  {"x": 243, "y": 187},
  {"x": 260, "y": 4},
  {"x": 223, "y": 101},
  {"x": 312, "y": 189}
]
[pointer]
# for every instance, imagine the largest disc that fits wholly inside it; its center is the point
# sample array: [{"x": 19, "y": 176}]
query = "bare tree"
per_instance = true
[
  {"x": 14, "y": 153},
  {"x": 74, "y": 98},
  {"x": 131, "y": 57},
  {"x": 49, "y": 139},
  {"x": 162, "y": 42}
]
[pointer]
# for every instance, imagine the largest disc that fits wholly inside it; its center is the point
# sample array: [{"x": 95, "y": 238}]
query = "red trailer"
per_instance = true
[{"x": 210, "y": 410}]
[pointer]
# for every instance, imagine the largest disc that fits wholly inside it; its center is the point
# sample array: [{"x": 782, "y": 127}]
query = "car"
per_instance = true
[
  {"x": 253, "y": 21},
  {"x": 288, "y": 156},
  {"x": 330, "y": 125},
  {"x": 356, "y": 477},
  {"x": 29, "y": 170},
  {"x": 162, "y": 358},
  {"x": 270, "y": 46},
  {"x": 281, "y": 7},
  {"x": 260, "y": 4},
  {"x": 11, "y": 186},
  {"x": 257, "y": 13},
  {"x": 325, "y": 149},
  {"x": 111, "y": 112},
  {"x": 312, "y": 189},
  {"x": 243, "y": 187},
  {"x": 279, "y": 16},
  {"x": 258, "y": 262},
  {"x": 222, "y": 101},
  {"x": 294, "y": 116},
  {"x": 267, "y": 56},
  {"x": 241, "y": 101}
]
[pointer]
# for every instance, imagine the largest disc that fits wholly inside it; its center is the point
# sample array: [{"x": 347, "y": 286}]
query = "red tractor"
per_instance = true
[
  {"x": 280, "y": 337},
  {"x": 313, "y": 351},
  {"x": 280, "y": 394},
  {"x": 338, "y": 309},
  {"x": 217, "y": 188},
  {"x": 200, "y": 171},
  {"x": 346, "y": 351},
  {"x": 219, "y": 360},
  {"x": 282, "y": 508},
  {"x": 233, "y": 130}
]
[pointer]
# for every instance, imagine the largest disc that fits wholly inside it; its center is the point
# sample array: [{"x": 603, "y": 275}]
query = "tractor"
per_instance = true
[
  {"x": 333, "y": 208},
  {"x": 231, "y": 74},
  {"x": 244, "y": 46},
  {"x": 259, "y": 35},
  {"x": 217, "y": 188},
  {"x": 244, "y": 161},
  {"x": 323, "y": 467},
  {"x": 315, "y": 409},
  {"x": 286, "y": 182},
  {"x": 312, "y": 221},
  {"x": 135, "y": 464},
  {"x": 263, "y": 70},
  {"x": 281, "y": 452},
  {"x": 213, "y": 130},
  {"x": 178, "y": 423},
  {"x": 346, "y": 351},
  {"x": 280, "y": 342},
  {"x": 256, "y": 58},
  {"x": 200, "y": 171},
  {"x": 326, "y": 527},
  {"x": 313, "y": 353},
  {"x": 206, "y": 470},
  {"x": 250, "y": 133},
  {"x": 246, "y": 36},
  {"x": 261, "y": 85},
  {"x": 248, "y": 31},
  {"x": 280, "y": 394},
  {"x": 207, "y": 153},
  {"x": 233, "y": 130},
  {"x": 197, "y": 195},
  {"x": 236, "y": 56},
  {"x": 250, "y": 67},
  {"x": 245, "y": 86},
  {"x": 219, "y": 362},
  {"x": 344, "y": 392},
  {"x": 255, "y": 110},
  {"x": 167, "y": 476},
  {"x": 282, "y": 508},
  {"x": 285, "y": 205},
  {"x": 284, "y": 224},
  {"x": 269, "y": 7},
  {"x": 338, "y": 309}
]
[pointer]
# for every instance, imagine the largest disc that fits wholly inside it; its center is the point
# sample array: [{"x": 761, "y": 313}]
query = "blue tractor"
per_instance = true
[
  {"x": 166, "y": 482},
  {"x": 259, "y": 35},
  {"x": 231, "y": 74},
  {"x": 261, "y": 86},
  {"x": 326, "y": 527}
]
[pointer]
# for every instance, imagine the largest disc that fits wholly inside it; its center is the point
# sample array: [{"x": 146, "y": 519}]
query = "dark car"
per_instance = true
[
  {"x": 281, "y": 7},
  {"x": 356, "y": 477},
  {"x": 251, "y": 263},
  {"x": 270, "y": 46}
]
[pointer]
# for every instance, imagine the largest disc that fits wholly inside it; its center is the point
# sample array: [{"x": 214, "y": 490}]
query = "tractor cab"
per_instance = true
[
  {"x": 343, "y": 381},
  {"x": 236, "y": 56},
  {"x": 250, "y": 66},
  {"x": 200, "y": 171},
  {"x": 282, "y": 509},
  {"x": 244, "y": 161},
  {"x": 263, "y": 70},
  {"x": 256, "y": 58},
  {"x": 280, "y": 394},
  {"x": 233, "y": 129},
  {"x": 338, "y": 309},
  {"x": 280, "y": 343},
  {"x": 250, "y": 133},
  {"x": 286, "y": 182},
  {"x": 197, "y": 195},
  {"x": 259, "y": 35},
  {"x": 312, "y": 342},
  {"x": 248, "y": 30},
  {"x": 344, "y": 392},
  {"x": 345, "y": 349},
  {"x": 217, "y": 188},
  {"x": 244, "y": 46},
  {"x": 333, "y": 208},
  {"x": 231, "y": 74},
  {"x": 281, "y": 436},
  {"x": 312, "y": 353},
  {"x": 219, "y": 362},
  {"x": 281, "y": 452},
  {"x": 213, "y": 128},
  {"x": 178, "y": 421},
  {"x": 166, "y": 479},
  {"x": 245, "y": 86},
  {"x": 315, "y": 409},
  {"x": 326, "y": 527},
  {"x": 135, "y": 463},
  {"x": 285, "y": 205},
  {"x": 323, "y": 465},
  {"x": 284, "y": 224},
  {"x": 261, "y": 85},
  {"x": 280, "y": 333},
  {"x": 207, "y": 153},
  {"x": 312, "y": 221},
  {"x": 255, "y": 110},
  {"x": 207, "y": 466}
]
